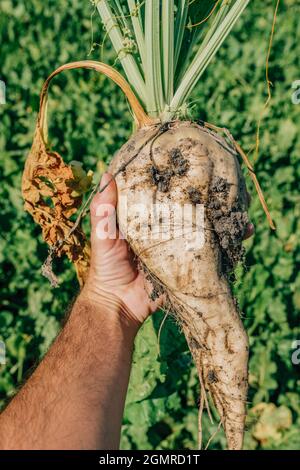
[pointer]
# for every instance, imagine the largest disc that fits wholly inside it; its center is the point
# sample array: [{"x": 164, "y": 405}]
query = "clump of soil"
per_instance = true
[
  {"x": 194, "y": 195},
  {"x": 212, "y": 377},
  {"x": 179, "y": 163},
  {"x": 178, "y": 167},
  {"x": 221, "y": 186},
  {"x": 229, "y": 225},
  {"x": 161, "y": 178}
]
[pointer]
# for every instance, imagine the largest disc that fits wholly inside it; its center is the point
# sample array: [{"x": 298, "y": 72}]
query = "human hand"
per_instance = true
[{"x": 114, "y": 277}]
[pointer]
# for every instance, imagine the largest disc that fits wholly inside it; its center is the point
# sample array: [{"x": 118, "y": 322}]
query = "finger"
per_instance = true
[
  {"x": 103, "y": 215},
  {"x": 249, "y": 231},
  {"x": 107, "y": 194}
]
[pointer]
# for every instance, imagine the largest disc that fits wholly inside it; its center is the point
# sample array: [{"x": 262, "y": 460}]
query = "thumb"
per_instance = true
[{"x": 103, "y": 215}]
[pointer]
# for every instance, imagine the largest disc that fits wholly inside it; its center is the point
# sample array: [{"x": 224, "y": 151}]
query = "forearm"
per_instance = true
[{"x": 75, "y": 398}]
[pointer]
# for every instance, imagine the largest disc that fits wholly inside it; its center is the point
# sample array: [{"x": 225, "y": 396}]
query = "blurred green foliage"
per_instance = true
[{"x": 89, "y": 122}]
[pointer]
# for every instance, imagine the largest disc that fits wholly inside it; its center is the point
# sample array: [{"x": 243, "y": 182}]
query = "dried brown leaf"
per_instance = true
[{"x": 45, "y": 178}]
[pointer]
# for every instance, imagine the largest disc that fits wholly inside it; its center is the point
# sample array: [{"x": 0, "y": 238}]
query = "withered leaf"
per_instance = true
[{"x": 48, "y": 197}]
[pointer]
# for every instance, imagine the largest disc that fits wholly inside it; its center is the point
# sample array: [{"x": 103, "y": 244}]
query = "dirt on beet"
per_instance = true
[
  {"x": 229, "y": 224},
  {"x": 178, "y": 166}
]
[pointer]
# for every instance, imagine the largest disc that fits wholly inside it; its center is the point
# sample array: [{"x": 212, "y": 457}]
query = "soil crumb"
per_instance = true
[
  {"x": 229, "y": 225},
  {"x": 161, "y": 178},
  {"x": 194, "y": 195},
  {"x": 212, "y": 377},
  {"x": 178, "y": 166},
  {"x": 221, "y": 186},
  {"x": 179, "y": 163}
]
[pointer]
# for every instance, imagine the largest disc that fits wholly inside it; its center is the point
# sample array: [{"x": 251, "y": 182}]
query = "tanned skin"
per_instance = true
[{"x": 75, "y": 398}]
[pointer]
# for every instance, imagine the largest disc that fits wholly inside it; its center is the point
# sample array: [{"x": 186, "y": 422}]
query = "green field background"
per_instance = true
[{"x": 89, "y": 121}]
